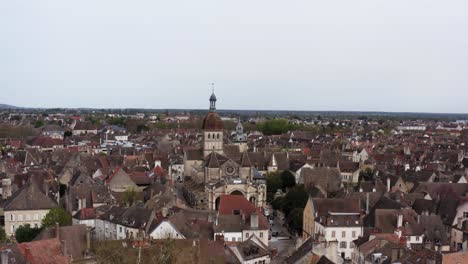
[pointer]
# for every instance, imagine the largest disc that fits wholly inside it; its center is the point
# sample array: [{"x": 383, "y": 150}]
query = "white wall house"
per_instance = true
[
  {"x": 343, "y": 228},
  {"x": 166, "y": 230}
]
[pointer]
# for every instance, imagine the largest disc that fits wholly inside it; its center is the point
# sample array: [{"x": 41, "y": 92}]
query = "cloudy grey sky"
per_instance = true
[{"x": 382, "y": 55}]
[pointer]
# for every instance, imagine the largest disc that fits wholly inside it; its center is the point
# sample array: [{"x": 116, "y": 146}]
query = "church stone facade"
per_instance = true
[{"x": 217, "y": 168}]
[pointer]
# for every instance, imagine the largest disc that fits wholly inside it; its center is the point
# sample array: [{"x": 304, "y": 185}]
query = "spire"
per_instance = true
[{"x": 212, "y": 99}]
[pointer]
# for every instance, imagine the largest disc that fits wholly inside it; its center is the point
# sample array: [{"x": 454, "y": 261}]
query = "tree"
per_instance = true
[
  {"x": 3, "y": 236},
  {"x": 277, "y": 203},
  {"x": 57, "y": 215},
  {"x": 25, "y": 233},
  {"x": 276, "y": 126},
  {"x": 67, "y": 134},
  {"x": 366, "y": 175},
  {"x": 273, "y": 184},
  {"x": 130, "y": 196},
  {"x": 287, "y": 179},
  {"x": 295, "y": 219},
  {"x": 295, "y": 198},
  {"x": 38, "y": 123}
]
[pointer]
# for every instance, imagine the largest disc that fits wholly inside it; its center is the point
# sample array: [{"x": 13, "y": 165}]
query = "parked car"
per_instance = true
[
  {"x": 275, "y": 234},
  {"x": 266, "y": 212}
]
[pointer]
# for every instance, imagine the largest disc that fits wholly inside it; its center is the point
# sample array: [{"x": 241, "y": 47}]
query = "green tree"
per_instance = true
[
  {"x": 276, "y": 126},
  {"x": 273, "y": 184},
  {"x": 3, "y": 236},
  {"x": 67, "y": 134},
  {"x": 130, "y": 196},
  {"x": 38, "y": 123},
  {"x": 277, "y": 203},
  {"x": 25, "y": 233},
  {"x": 295, "y": 219},
  {"x": 295, "y": 198},
  {"x": 366, "y": 175},
  {"x": 57, "y": 215},
  {"x": 287, "y": 179}
]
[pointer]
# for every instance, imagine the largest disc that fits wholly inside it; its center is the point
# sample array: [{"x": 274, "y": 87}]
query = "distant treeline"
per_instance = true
[{"x": 256, "y": 113}]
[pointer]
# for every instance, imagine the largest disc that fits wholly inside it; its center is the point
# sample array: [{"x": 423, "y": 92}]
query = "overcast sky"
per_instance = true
[{"x": 369, "y": 55}]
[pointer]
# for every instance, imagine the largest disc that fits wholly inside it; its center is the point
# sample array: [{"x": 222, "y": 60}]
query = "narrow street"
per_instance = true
[{"x": 284, "y": 245}]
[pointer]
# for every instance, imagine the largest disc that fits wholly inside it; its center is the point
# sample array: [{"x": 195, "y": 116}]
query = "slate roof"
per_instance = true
[
  {"x": 325, "y": 206},
  {"x": 329, "y": 179},
  {"x": 301, "y": 252},
  {"x": 29, "y": 197},
  {"x": 194, "y": 154}
]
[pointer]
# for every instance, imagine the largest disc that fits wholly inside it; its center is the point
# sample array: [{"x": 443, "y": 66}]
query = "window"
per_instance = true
[
  {"x": 417, "y": 238},
  {"x": 343, "y": 233},
  {"x": 333, "y": 234},
  {"x": 465, "y": 214},
  {"x": 351, "y": 244},
  {"x": 209, "y": 136},
  {"x": 36, "y": 216},
  {"x": 28, "y": 217},
  {"x": 354, "y": 234},
  {"x": 233, "y": 239},
  {"x": 261, "y": 234},
  {"x": 217, "y": 136},
  {"x": 12, "y": 217},
  {"x": 343, "y": 244},
  {"x": 20, "y": 217},
  {"x": 247, "y": 235}
]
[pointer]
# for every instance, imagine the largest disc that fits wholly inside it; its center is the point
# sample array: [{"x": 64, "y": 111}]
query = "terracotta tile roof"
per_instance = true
[
  {"x": 229, "y": 203},
  {"x": 74, "y": 238},
  {"x": 85, "y": 214},
  {"x": 44, "y": 252},
  {"x": 47, "y": 142},
  {"x": 140, "y": 178},
  {"x": 455, "y": 258}
]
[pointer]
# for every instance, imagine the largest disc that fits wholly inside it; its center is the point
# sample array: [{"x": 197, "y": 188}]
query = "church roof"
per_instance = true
[
  {"x": 212, "y": 121},
  {"x": 213, "y": 160},
  {"x": 245, "y": 161},
  {"x": 213, "y": 97}
]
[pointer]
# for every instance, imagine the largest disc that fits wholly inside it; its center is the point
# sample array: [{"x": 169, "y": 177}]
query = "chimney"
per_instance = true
[
  {"x": 83, "y": 202},
  {"x": 210, "y": 218},
  {"x": 367, "y": 203},
  {"x": 164, "y": 211},
  {"x": 388, "y": 184},
  {"x": 5, "y": 256},
  {"x": 254, "y": 221},
  {"x": 88, "y": 238},
  {"x": 63, "y": 247},
  {"x": 6, "y": 188},
  {"x": 57, "y": 231},
  {"x": 400, "y": 221},
  {"x": 46, "y": 188},
  {"x": 27, "y": 254},
  {"x": 395, "y": 254}
]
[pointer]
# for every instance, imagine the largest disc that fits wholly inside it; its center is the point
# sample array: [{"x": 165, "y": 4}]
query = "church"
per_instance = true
[{"x": 217, "y": 168}]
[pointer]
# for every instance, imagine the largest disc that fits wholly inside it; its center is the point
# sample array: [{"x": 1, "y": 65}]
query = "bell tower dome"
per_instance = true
[{"x": 212, "y": 130}]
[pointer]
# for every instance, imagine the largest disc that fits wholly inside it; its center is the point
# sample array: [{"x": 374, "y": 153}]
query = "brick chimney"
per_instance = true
[
  {"x": 57, "y": 231},
  {"x": 400, "y": 221},
  {"x": 254, "y": 221}
]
